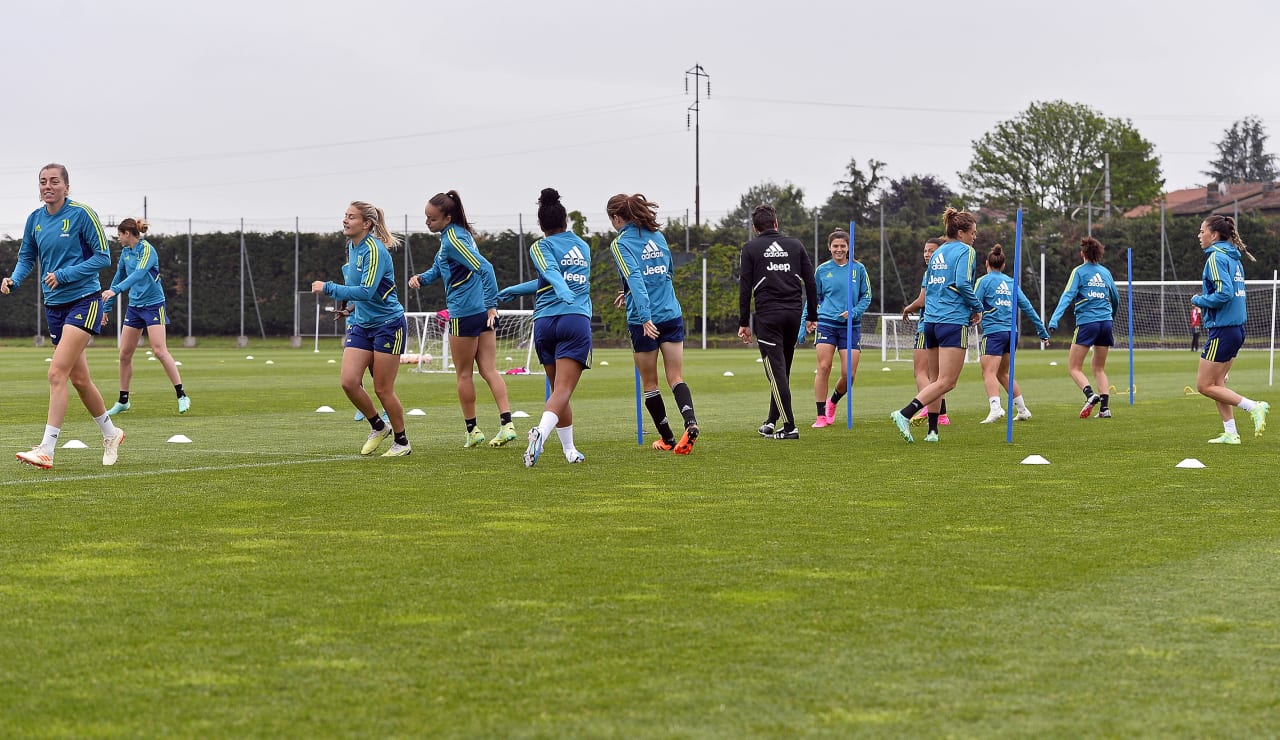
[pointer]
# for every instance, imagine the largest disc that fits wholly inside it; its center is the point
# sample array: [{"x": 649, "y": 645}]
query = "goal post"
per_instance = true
[
  {"x": 1162, "y": 313},
  {"x": 897, "y": 338},
  {"x": 514, "y": 335}
]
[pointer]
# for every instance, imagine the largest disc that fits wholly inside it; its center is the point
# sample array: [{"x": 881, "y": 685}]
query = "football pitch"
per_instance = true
[{"x": 267, "y": 580}]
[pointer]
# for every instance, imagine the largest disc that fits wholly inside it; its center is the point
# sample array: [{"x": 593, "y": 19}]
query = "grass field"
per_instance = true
[{"x": 266, "y": 580}]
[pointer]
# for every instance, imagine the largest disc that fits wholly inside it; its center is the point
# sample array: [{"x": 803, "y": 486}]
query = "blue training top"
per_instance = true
[
  {"x": 1223, "y": 282},
  {"x": 563, "y": 285},
  {"x": 371, "y": 277},
  {"x": 69, "y": 243},
  {"x": 833, "y": 290},
  {"x": 137, "y": 272},
  {"x": 995, "y": 293},
  {"x": 948, "y": 292},
  {"x": 470, "y": 286},
  {"x": 644, "y": 262},
  {"x": 1091, "y": 291}
]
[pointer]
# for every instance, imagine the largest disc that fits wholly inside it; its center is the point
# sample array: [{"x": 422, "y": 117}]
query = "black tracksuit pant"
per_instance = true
[{"x": 776, "y": 334}]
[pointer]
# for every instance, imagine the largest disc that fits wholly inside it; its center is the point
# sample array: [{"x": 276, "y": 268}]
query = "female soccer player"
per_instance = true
[
  {"x": 561, "y": 320},
  {"x": 1091, "y": 292},
  {"x": 920, "y": 355},
  {"x": 1223, "y": 302},
  {"x": 654, "y": 318},
  {"x": 833, "y": 309},
  {"x": 138, "y": 272},
  {"x": 471, "y": 296},
  {"x": 376, "y": 331},
  {"x": 66, "y": 239},
  {"x": 950, "y": 306},
  {"x": 995, "y": 293}
]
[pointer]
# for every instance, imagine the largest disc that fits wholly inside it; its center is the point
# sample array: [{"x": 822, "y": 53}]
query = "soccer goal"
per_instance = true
[
  {"x": 514, "y": 334},
  {"x": 897, "y": 338},
  {"x": 1162, "y": 313}
]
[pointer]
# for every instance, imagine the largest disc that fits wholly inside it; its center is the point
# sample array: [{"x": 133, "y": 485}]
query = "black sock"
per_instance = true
[
  {"x": 471, "y": 424},
  {"x": 504, "y": 418},
  {"x": 835, "y": 397},
  {"x": 376, "y": 422},
  {"x": 1106, "y": 398},
  {"x": 658, "y": 410},
  {"x": 179, "y": 390},
  {"x": 822, "y": 408},
  {"x": 912, "y": 408},
  {"x": 401, "y": 438},
  {"x": 124, "y": 396},
  {"x": 943, "y": 408},
  {"x": 1088, "y": 392},
  {"x": 933, "y": 422},
  {"x": 684, "y": 402}
]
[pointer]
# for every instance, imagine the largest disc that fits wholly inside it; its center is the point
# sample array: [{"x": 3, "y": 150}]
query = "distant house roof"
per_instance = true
[{"x": 1215, "y": 198}]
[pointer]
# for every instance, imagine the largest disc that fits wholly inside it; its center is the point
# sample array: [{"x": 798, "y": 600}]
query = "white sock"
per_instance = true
[
  {"x": 1019, "y": 404},
  {"x": 1229, "y": 427},
  {"x": 1246, "y": 405},
  {"x": 549, "y": 421},
  {"x": 566, "y": 439},
  {"x": 995, "y": 402},
  {"x": 50, "y": 440},
  {"x": 104, "y": 423}
]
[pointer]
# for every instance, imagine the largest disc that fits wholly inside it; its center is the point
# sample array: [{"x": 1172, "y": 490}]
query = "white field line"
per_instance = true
[{"x": 37, "y": 479}]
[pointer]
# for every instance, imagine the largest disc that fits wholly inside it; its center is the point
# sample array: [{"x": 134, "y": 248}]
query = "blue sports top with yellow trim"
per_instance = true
[
  {"x": 71, "y": 244},
  {"x": 563, "y": 285},
  {"x": 833, "y": 291},
  {"x": 138, "y": 272},
  {"x": 995, "y": 293},
  {"x": 370, "y": 267},
  {"x": 470, "y": 287},
  {"x": 644, "y": 262},
  {"x": 1092, "y": 292},
  {"x": 1223, "y": 283},
  {"x": 948, "y": 290}
]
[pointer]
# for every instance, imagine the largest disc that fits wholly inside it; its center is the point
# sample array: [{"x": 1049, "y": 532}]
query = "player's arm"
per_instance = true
[
  {"x": 629, "y": 269},
  {"x": 146, "y": 259},
  {"x": 436, "y": 272},
  {"x": 746, "y": 285},
  {"x": 1024, "y": 304},
  {"x": 1068, "y": 293},
  {"x": 528, "y": 287},
  {"x": 864, "y": 297},
  {"x": 547, "y": 266},
  {"x": 810, "y": 286},
  {"x": 366, "y": 287},
  {"x": 1218, "y": 272},
  {"x": 962, "y": 282}
]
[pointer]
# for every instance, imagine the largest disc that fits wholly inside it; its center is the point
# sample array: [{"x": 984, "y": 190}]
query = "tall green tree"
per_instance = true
[
  {"x": 1242, "y": 154},
  {"x": 794, "y": 218},
  {"x": 1050, "y": 159},
  {"x": 916, "y": 200},
  {"x": 854, "y": 198}
]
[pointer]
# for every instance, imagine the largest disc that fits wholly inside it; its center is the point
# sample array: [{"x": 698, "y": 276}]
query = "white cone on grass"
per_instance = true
[
  {"x": 728, "y": 373},
  {"x": 74, "y": 444},
  {"x": 179, "y": 439},
  {"x": 325, "y": 410},
  {"x": 519, "y": 415},
  {"x": 1034, "y": 460},
  {"x": 1190, "y": 462},
  {"x": 415, "y": 412}
]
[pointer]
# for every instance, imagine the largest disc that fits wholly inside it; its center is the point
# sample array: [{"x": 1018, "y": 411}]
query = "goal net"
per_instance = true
[
  {"x": 514, "y": 335},
  {"x": 896, "y": 338},
  {"x": 1162, "y": 314}
]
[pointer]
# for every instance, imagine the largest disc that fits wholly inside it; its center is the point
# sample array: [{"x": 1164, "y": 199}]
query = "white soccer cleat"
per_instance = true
[
  {"x": 573, "y": 456},
  {"x": 534, "y": 450},
  {"x": 111, "y": 447},
  {"x": 398, "y": 450},
  {"x": 37, "y": 456},
  {"x": 1023, "y": 415},
  {"x": 996, "y": 415}
]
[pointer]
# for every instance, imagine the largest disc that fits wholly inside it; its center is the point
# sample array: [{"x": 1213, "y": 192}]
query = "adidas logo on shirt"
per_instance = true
[
  {"x": 938, "y": 262},
  {"x": 1003, "y": 289},
  {"x": 651, "y": 252},
  {"x": 573, "y": 258},
  {"x": 1097, "y": 282},
  {"x": 774, "y": 250}
]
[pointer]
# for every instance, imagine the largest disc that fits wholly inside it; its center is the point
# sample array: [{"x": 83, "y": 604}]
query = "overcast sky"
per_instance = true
[{"x": 270, "y": 110}]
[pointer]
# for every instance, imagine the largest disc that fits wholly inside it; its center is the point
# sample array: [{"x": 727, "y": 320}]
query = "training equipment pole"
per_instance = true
[
  {"x": 1129, "y": 259},
  {"x": 848, "y": 337},
  {"x": 639, "y": 419},
  {"x": 1013, "y": 327},
  {"x": 1271, "y": 365}
]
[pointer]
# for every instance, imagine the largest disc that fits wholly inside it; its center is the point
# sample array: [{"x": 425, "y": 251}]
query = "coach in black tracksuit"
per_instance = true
[{"x": 777, "y": 272}]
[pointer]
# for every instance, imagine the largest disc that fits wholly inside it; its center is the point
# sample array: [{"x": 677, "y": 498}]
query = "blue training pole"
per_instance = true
[
  {"x": 639, "y": 419},
  {"x": 1129, "y": 252},
  {"x": 1013, "y": 327},
  {"x": 547, "y": 382},
  {"x": 848, "y": 337}
]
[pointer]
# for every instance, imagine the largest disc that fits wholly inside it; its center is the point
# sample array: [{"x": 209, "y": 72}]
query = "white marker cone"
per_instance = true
[
  {"x": 248, "y": 357},
  {"x": 74, "y": 444},
  {"x": 180, "y": 439},
  {"x": 728, "y": 373},
  {"x": 325, "y": 410},
  {"x": 1035, "y": 460},
  {"x": 519, "y": 415},
  {"x": 1190, "y": 462},
  {"x": 604, "y": 363},
  {"x": 271, "y": 362},
  {"x": 415, "y": 412}
]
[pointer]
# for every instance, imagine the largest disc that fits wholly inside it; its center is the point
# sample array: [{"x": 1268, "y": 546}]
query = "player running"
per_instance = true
[
  {"x": 138, "y": 273},
  {"x": 654, "y": 317},
  {"x": 471, "y": 297},
  {"x": 995, "y": 293},
  {"x": 1092, "y": 294},
  {"x": 1223, "y": 301}
]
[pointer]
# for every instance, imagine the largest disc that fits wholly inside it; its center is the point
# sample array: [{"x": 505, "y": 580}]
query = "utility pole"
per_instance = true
[{"x": 697, "y": 72}]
